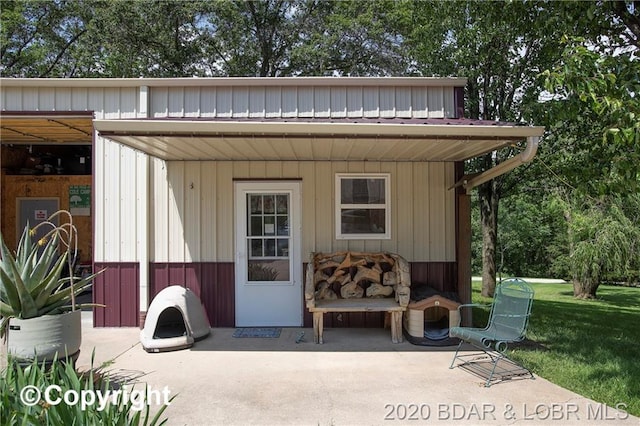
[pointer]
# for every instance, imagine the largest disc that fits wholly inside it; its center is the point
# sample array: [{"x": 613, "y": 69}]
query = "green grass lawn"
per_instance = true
[{"x": 591, "y": 347}]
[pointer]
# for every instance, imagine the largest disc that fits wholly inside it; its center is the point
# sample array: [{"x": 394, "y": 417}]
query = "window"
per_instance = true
[
  {"x": 363, "y": 206},
  {"x": 268, "y": 237}
]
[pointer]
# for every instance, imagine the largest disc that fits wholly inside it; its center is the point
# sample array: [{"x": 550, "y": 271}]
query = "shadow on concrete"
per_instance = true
[{"x": 297, "y": 339}]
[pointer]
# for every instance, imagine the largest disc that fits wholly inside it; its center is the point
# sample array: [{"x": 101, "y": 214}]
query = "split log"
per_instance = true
[
  {"x": 325, "y": 292},
  {"x": 346, "y": 263},
  {"x": 319, "y": 276},
  {"x": 351, "y": 290},
  {"x": 402, "y": 269},
  {"x": 390, "y": 260},
  {"x": 344, "y": 279},
  {"x": 339, "y": 257},
  {"x": 390, "y": 278},
  {"x": 327, "y": 264},
  {"x": 378, "y": 290},
  {"x": 367, "y": 274},
  {"x": 402, "y": 295},
  {"x": 350, "y": 262},
  {"x": 338, "y": 275}
]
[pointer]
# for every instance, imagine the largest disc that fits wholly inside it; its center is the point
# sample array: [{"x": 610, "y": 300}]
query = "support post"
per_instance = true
[{"x": 463, "y": 255}]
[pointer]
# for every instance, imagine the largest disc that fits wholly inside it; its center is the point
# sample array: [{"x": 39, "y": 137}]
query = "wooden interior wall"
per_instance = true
[{"x": 17, "y": 186}]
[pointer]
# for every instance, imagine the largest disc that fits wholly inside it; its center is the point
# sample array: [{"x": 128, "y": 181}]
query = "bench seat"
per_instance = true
[{"x": 358, "y": 305}]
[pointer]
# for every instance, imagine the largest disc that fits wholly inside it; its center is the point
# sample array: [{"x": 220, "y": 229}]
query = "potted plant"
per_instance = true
[{"x": 39, "y": 315}]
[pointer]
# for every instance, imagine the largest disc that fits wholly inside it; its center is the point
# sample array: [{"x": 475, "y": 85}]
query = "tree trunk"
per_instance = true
[
  {"x": 585, "y": 289},
  {"x": 488, "y": 197}
]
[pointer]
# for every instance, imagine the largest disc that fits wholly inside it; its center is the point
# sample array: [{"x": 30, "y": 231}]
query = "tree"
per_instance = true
[
  {"x": 355, "y": 38},
  {"x": 97, "y": 38},
  {"x": 164, "y": 38},
  {"x": 37, "y": 38},
  {"x": 595, "y": 91},
  {"x": 603, "y": 240},
  {"x": 142, "y": 38},
  {"x": 256, "y": 38},
  {"x": 501, "y": 51},
  {"x": 303, "y": 37},
  {"x": 593, "y": 99}
]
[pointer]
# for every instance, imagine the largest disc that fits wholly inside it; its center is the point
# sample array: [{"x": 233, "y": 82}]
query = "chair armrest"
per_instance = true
[
  {"x": 470, "y": 305},
  {"x": 473, "y": 305}
]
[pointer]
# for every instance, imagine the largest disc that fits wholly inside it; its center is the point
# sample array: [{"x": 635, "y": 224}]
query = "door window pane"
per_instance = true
[
  {"x": 268, "y": 270},
  {"x": 256, "y": 226},
  {"x": 283, "y": 225},
  {"x": 256, "y": 248}
]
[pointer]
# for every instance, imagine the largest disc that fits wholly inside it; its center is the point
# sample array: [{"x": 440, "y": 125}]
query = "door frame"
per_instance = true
[{"x": 295, "y": 284}]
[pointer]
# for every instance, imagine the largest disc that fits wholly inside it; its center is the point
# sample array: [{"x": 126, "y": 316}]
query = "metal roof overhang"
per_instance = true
[{"x": 298, "y": 140}]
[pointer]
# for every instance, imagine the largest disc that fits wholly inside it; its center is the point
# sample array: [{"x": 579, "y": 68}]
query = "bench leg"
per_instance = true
[
  {"x": 396, "y": 327},
  {"x": 387, "y": 320},
  {"x": 317, "y": 327}
]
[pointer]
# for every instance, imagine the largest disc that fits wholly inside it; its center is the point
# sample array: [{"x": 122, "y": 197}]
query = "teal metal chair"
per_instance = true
[{"x": 508, "y": 321}]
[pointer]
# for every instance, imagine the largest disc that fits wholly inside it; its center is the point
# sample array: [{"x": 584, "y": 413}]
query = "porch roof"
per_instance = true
[{"x": 297, "y": 139}]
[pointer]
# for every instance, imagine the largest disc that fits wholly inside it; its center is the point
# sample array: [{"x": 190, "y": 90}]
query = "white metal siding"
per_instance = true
[
  {"x": 303, "y": 102},
  {"x": 118, "y": 174},
  {"x": 192, "y": 207}
]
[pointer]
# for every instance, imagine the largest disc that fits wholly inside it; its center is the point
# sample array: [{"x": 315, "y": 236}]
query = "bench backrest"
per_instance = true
[{"x": 510, "y": 310}]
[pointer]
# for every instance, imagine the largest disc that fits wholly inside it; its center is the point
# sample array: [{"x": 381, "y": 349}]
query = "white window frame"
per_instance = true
[{"x": 386, "y": 206}]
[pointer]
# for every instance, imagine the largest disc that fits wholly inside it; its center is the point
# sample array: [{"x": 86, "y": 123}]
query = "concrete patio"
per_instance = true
[{"x": 357, "y": 377}]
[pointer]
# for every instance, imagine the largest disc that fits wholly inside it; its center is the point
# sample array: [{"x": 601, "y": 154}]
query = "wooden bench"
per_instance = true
[{"x": 371, "y": 282}]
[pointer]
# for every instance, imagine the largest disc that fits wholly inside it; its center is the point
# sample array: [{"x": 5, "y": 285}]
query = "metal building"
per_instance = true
[{"x": 226, "y": 185}]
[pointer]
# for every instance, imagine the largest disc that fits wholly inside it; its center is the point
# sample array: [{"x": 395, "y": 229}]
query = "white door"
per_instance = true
[{"x": 268, "y": 263}]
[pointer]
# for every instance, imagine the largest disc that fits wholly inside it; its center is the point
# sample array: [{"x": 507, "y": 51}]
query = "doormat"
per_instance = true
[{"x": 272, "y": 332}]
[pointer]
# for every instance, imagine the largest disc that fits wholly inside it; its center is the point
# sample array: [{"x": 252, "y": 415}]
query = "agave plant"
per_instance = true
[{"x": 32, "y": 283}]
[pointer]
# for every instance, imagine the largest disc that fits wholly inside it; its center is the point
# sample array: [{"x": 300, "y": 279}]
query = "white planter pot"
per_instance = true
[{"x": 46, "y": 336}]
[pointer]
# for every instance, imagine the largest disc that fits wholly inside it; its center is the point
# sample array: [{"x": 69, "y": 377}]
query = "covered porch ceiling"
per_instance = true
[
  {"x": 314, "y": 139},
  {"x": 46, "y": 129}
]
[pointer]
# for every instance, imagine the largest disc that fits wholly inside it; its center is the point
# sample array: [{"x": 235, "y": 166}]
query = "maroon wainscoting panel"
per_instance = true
[
  {"x": 212, "y": 282},
  {"x": 443, "y": 276},
  {"x": 116, "y": 287}
]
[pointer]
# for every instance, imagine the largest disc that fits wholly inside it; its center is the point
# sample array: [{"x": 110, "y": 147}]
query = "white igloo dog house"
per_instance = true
[{"x": 175, "y": 320}]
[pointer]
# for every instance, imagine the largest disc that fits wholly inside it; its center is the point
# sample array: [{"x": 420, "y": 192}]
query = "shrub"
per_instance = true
[{"x": 18, "y": 376}]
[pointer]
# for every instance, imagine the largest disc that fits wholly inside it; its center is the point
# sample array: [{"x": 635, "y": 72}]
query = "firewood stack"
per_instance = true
[{"x": 350, "y": 275}]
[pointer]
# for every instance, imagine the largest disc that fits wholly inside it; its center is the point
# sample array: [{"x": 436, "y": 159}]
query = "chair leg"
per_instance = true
[
  {"x": 493, "y": 370},
  {"x": 456, "y": 355}
]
